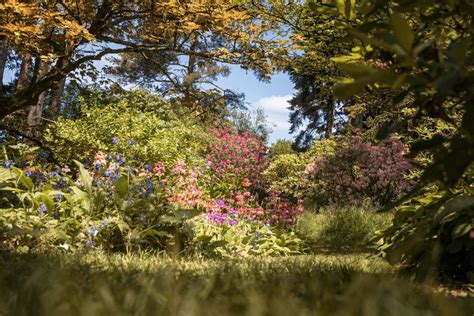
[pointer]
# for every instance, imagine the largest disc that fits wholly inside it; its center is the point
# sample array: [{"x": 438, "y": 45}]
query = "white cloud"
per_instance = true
[
  {"x": 275, "y": 103},
  {"x": 276, "y": 109}
]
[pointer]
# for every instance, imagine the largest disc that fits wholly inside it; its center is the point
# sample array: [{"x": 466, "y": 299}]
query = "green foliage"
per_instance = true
[
  {"x": 285, "y": 173},
  {"x": 139, "y": 125},
  {"x": 425, "y": 58},
  {"x": 343, "y": 228},
  {"x": 241, "y": 240},
  {"x": 433, "y": 233},
  {"x": 115, "y": 209},
  {"x": 282, "y": 147}
]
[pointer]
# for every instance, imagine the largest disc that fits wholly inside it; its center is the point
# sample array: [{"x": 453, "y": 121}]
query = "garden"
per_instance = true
[{"x": 143, "y": 187}]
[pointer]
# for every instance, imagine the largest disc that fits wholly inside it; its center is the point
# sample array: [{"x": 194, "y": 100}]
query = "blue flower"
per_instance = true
[
  {"x": 94, "y": 231},
  {"x": 42, "y": 209},
  {"x": 148, "y": 167},
  {"x": 149, "y": 186},
  {"x": 59, "y": 184},
  {"x": 97, "y": 167},
  {"x": 142, "y": 218},
  {"x": 8, "y": 163},
  {"x": 54, "y": 174},
  {"x": 108, "y": 173},
  {"x": 60, "y": 197},
  {"x": 132, "y": 142},
  {"x": 28, "y": 173},
  {"x": 114, "y": 140}
]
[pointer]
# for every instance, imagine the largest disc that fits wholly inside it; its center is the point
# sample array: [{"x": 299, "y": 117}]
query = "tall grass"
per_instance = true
[
  {"x": 343, "y": 228},
  {"x": 149, "y": 284}
]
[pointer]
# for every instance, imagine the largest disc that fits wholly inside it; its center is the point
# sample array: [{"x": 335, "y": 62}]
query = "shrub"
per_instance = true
[
  {"x": 139, "y": 125},
  {"x": 236, "y": 161},
  {"x": 115, "y": 205},
  {"x": 358, "y": 171},
  {"x": 284, "y": 174}
]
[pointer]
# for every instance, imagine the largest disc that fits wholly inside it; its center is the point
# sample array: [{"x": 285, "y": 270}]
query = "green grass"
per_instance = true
[
  {"x": 339, "y": 277},
  {"x": 343, "y": 229},
  {"x": 96, "y": 283}
]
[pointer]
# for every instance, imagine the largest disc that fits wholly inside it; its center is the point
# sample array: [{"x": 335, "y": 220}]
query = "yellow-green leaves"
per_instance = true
[
  {"x": 346, "y": 8},
  {"x": 403, "y": 32}
]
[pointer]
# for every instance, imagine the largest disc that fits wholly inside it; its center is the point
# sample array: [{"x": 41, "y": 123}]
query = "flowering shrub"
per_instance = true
[
  {"x": 278, "y": 211},
  {"x": 358, "y": 171},
  {"x": 236, "y": 161},
  {"x": 121, "y": 204}
]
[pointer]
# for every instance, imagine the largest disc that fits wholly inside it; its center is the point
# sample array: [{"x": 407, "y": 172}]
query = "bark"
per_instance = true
[
  {"x": 34, "y": 115},
  {"x": 55, "y": 104},
  {"x": 22, "y": 82},
  {"x": 3, "y": 61}
]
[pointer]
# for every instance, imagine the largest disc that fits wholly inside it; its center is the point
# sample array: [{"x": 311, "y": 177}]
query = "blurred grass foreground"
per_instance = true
[{"x": 96, "y": 283}]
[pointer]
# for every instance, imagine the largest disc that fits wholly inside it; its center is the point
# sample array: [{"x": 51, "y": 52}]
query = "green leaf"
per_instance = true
[
  {"x": 122, "y": 186},
  {"x": 403, "y": 32},
  {"x": 457, "y": 51},
  {"x": 85, "y": 177},
  {"x": 461, "y": 230},
  {"x": 346, "y": 8},
  {"x": 23, "y": 179},
  {"x": 48, "y": 201}
]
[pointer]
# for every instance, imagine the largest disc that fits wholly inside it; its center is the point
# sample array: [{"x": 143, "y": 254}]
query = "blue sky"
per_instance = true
[{"x": 272, "y": 97}]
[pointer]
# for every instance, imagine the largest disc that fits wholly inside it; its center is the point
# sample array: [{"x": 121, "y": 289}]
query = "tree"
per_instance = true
[
  {"x": 315, "y": 112},
  {"x": 80, "y": 32}
]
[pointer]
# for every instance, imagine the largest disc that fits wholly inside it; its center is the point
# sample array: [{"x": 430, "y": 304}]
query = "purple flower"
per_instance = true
[
  {"x": 132, "y": 142},
  {"x": 114, "y": 140},
  {"x": 42, "y": 209},
  {"x": 108, "y": 173},
  {"x": 8, "y": 164},
  {"x": 221, "y": 203}
]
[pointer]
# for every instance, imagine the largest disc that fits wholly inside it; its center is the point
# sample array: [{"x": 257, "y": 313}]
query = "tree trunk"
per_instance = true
[
  {"x": 22, "y": 82},
  {"x": 330, "y": 118},
  {"x": 3, "y": 61},
  {"x": 34, "y": 115},
  {"x": 55, "y": 103}
]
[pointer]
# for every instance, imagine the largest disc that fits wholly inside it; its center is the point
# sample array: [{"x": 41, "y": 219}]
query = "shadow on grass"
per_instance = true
[{"x": 104, "y": 284}]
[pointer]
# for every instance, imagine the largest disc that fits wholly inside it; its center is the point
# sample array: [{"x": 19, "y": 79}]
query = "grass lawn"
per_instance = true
[{"x": 96, "y": 283}]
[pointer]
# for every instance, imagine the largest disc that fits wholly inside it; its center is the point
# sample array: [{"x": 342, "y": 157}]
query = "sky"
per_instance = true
[{"x": 272, "y": 97}]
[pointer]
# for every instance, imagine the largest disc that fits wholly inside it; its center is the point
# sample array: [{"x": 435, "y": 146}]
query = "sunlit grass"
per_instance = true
[{"x": 97, "y": 283}]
